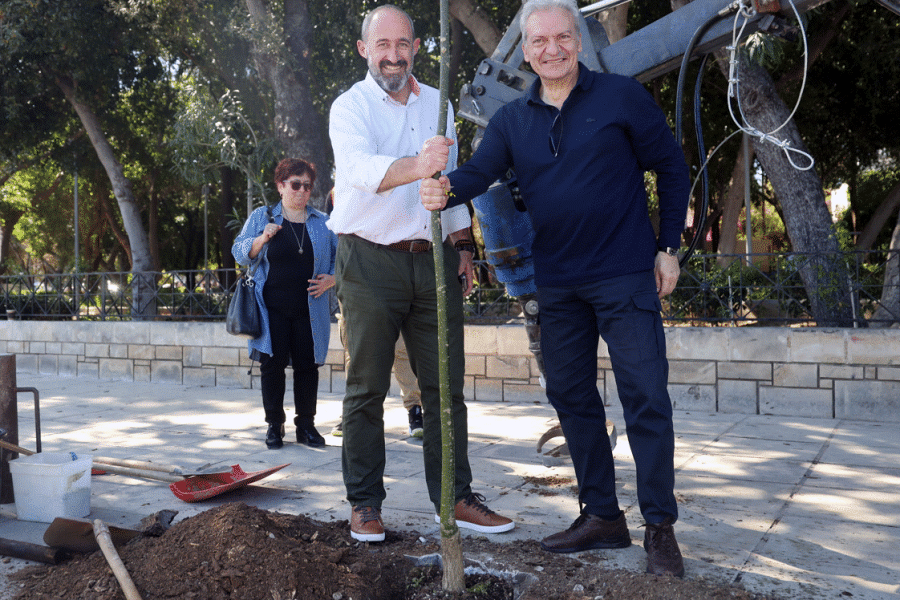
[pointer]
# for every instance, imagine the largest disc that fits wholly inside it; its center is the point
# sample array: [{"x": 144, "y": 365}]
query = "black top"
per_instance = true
[{"x": 289, "y": 271}]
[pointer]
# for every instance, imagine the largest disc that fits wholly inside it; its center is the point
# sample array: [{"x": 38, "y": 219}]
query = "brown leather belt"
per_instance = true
[{"x": 411, "y": 246}]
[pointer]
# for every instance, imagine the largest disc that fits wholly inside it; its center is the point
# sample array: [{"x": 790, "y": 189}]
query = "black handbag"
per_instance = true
[{"x": 244, "y": 318}]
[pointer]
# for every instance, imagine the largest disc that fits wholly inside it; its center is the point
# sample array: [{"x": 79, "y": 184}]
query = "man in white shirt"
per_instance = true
[{"x": 384, "y": 135}]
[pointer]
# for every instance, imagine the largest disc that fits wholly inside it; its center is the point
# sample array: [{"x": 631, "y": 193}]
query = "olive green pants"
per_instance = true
[
  {"x": 383, "y": 294},
  {"x": 409, "y": 386}
]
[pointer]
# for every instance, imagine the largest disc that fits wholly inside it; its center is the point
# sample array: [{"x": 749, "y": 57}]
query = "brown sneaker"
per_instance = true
[
  {"x": 590, "y": 532},
  {"x": 663, "y": 555},
  {"x": 366, "y": 524},
  {"x": 472, "y": 514}
]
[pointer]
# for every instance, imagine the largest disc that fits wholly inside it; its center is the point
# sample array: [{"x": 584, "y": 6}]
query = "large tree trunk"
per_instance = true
[
  {"x": 143, "y": 286},
  {"x": 806, "y": 216},
  {"x": 888, "y": 312},
  {"x": 807, "y": 219},
  {"x": 298, "y": 124}
]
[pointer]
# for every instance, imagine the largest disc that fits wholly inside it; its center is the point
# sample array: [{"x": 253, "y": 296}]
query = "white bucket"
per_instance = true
[{"x": 49, "y": 485}]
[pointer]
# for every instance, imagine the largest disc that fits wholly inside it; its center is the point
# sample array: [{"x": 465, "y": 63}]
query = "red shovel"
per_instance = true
[
  {"x": 191, "y": 487},
  {"x": 198, "y": 486},
  {"x": 201, "y": 487}
]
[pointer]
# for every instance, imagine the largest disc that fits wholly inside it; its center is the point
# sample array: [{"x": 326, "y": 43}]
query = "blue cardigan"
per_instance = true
[{"x": 324, "y": 243}]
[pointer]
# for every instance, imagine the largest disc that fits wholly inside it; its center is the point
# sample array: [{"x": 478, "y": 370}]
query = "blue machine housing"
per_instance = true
[{"x": 508, "y": 235}]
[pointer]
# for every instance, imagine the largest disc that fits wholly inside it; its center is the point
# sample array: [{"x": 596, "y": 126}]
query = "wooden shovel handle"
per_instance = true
[
  {"x": 140, "y": 473},
  {"x": 15, "y": 448},
  {"x": 101, "y": 532},
  {"x": 131, "y": 472},
  {"x": 139, "y": 464}
]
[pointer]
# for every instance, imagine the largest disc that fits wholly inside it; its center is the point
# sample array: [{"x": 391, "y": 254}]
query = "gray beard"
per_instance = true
[{"x": 389, "y": 84}]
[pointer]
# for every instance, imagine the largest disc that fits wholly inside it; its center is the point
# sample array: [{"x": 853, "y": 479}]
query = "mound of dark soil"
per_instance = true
[{"x": 242, "y": 553}]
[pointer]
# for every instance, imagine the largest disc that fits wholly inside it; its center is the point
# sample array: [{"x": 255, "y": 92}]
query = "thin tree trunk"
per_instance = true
[
  {"x": 478, "y": 22},
  {"x": 888, "y": 311},
  {"x": 9, "y": 219},
  {"x": 734, "y": 201},
  {"x": 614, "y": 21},
  {"x": 141, "y": 261},
  {"x": 153, "y": 224},
  {"x": 451, "y": 545},
  {"x": 226, "y": 236},
  {"x": 879, "y": 218}
]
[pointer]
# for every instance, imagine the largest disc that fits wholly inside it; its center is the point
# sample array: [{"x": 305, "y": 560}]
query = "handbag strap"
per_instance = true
[{"x": 265, "y": 247}]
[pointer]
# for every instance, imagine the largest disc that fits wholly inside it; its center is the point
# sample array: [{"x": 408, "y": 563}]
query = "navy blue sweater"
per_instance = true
[{"x": 587, "y": 202}]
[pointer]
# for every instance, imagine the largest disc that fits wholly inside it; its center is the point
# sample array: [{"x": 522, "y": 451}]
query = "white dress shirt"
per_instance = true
[{"x": 369, "y": 130}]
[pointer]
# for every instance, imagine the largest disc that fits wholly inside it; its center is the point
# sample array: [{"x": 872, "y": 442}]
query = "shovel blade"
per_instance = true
[
  {"x": 201, "y": 487},
  {"x": 78, "y": 536}
]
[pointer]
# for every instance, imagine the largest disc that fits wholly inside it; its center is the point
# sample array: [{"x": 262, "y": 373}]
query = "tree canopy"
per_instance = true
[{"x": 190, "y": 92}]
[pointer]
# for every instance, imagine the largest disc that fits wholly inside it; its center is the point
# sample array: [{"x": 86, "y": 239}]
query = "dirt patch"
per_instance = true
[
  {"x": 553, "y": 485},
  {"x": 243, "y": 553}
]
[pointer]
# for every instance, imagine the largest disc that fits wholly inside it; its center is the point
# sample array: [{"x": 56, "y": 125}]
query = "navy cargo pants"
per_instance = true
[{"x": 625, "y": 312}]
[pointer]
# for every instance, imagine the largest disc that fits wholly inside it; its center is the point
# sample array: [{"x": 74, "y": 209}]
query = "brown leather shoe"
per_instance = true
[
  {"x": 472, "y": 514},
  {"x": 663, "y": 555},
  {"x": 366, "y": 524},
  {"x": 590, "y": 532}
]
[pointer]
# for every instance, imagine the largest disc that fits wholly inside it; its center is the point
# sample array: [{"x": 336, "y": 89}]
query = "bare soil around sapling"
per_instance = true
[{"x": 239, "y": 552}]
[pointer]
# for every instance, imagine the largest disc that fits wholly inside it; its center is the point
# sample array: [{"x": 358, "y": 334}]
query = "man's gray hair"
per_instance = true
[
  {"x": 364, "y": 33},
  {"x": 533, "y": 6}
]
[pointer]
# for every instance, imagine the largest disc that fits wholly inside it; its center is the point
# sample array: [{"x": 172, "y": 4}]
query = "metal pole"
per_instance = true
[
  {"x": 206, "y": 237},
  {"x": 601, "y": 6},
  {"x": 77, "y": 243},
  {"x": 75, "y": 285},
  {"x": 206, "y": 226},
  {"x": 747, "y": 202}
]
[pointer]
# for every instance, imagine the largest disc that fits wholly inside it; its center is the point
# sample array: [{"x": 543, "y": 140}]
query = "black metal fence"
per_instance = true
[{"x": 713, "y": 290}]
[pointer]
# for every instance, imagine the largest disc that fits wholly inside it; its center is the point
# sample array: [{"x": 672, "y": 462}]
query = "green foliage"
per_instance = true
[
  {"x": 709, "y": 291},
  {"x": 179, "y": 95},
  {"x": 849, "y": 111},
  {"x": 871, "y": 189},
  {"x": 45, "y": 229},
  {"x": 208, "y": 134}
]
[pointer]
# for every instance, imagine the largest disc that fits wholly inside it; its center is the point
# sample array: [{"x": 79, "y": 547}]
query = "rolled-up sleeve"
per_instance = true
[
  {"x": 356, "y": 158},
  {"x": 243, "y": 243}
]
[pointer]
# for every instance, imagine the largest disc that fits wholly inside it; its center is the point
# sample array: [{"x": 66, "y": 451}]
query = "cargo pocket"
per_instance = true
[{"x": 650, "y": 307}]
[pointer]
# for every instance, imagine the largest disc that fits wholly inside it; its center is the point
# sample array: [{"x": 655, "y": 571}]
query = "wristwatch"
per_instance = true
[
  {"x": 668, "y": 250},
  {"x": 464, "y": 246}
]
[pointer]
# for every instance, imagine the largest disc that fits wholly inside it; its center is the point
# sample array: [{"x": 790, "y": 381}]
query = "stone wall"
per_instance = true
[{"x": 804, "y": 372}]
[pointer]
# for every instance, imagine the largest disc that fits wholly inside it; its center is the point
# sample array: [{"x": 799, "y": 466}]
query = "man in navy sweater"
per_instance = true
[{"x": 580, "y": 142}]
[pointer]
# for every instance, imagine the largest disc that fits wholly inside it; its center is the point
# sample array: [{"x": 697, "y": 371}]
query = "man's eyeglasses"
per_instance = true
[
  {"x": 556, "y": 129},
  {"x": 297, "y": 185}
]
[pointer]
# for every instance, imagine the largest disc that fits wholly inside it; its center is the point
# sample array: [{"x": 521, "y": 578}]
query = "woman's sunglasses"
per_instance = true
[{"x": 296, "y": 185}]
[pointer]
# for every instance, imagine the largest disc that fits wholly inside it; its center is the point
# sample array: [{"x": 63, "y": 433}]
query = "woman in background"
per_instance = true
[{"x": 295, "y": 252}]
